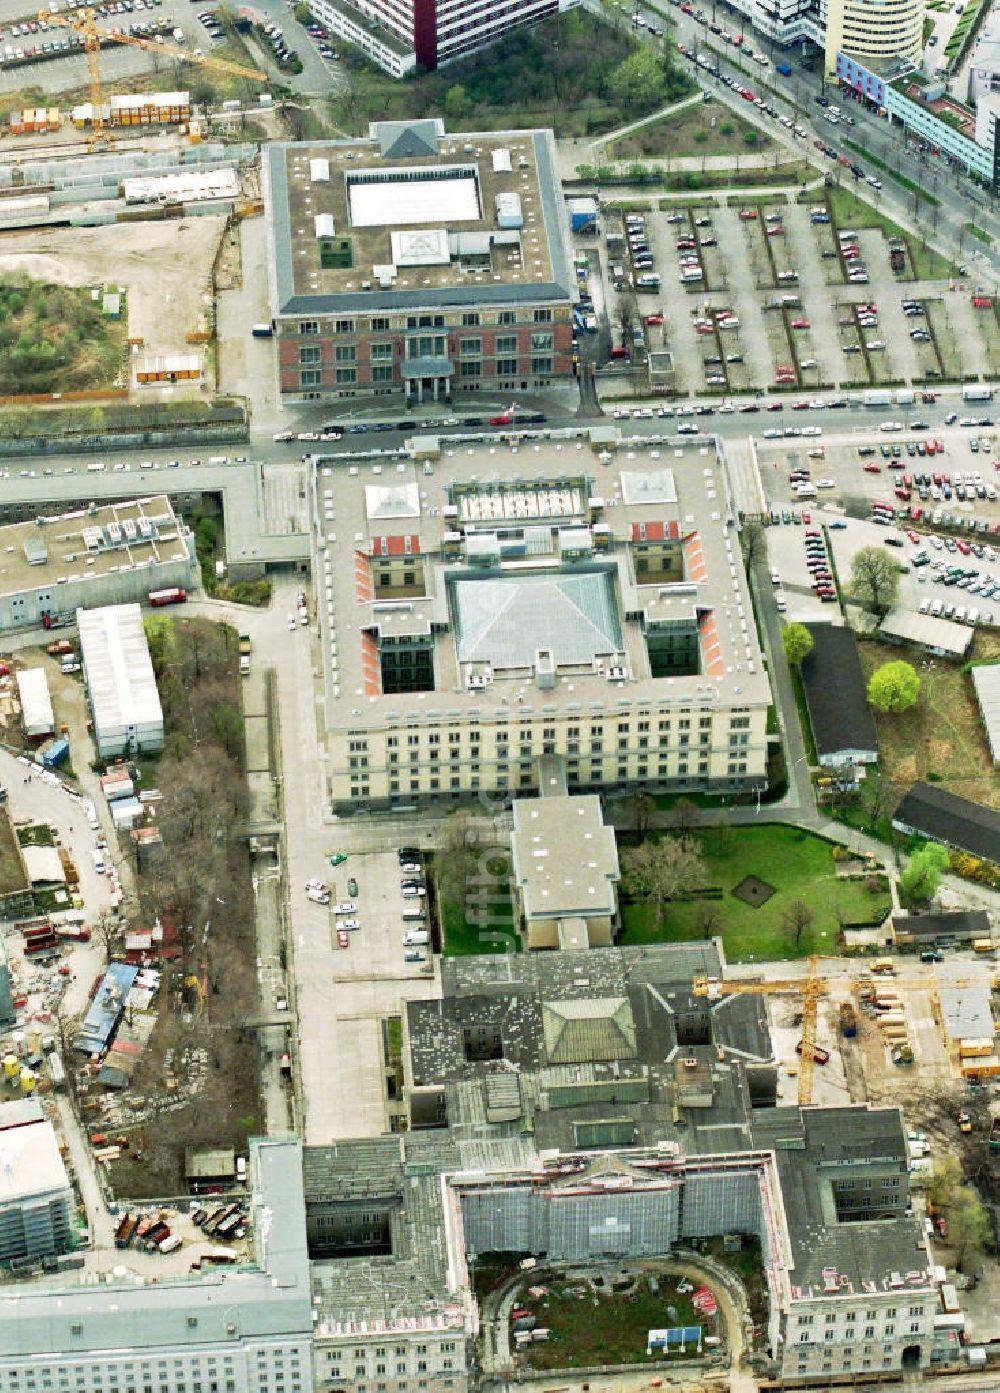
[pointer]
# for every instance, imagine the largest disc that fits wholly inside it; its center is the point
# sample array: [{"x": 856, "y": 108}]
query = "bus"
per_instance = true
[{"x": 174, "y": 596}]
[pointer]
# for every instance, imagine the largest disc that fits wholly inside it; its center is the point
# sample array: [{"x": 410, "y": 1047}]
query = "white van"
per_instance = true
[
  {"x": 90, "y": 812},
  {"x": 414, "y": 937},
  {"x": 99, "y": 865},
  {"x": 414, "y": 916},
  {"x": 241, "y": 1169},
  {"x": 98, "y": 467}
]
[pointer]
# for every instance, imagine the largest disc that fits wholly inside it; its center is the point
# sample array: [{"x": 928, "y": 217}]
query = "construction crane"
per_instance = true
[
  {"x": 810, "y": 988},
  {"x": 83, "y": 22}
]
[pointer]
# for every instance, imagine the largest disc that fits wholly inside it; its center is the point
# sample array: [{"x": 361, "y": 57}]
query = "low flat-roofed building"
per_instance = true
[
  {"x": 35, "y": 1194},
  {"x": 840, "y": 718},
  {"x": 121, "y": 683},
  {"x": 509, "y": 605},
  {"x": 415, "y": 263},
  {"x": 986, "y": 683},
  {"x": 941, "y": 637},
  {"x": 945, "y": 928},
  {"x": 930, "y": 811},
  {"x": 564, "y": 865},
  {"x": 37, "y": 715},
  {"x": 100, "y": 555}
]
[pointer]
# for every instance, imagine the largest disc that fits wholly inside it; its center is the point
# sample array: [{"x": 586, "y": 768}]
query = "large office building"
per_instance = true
[
  {"x": 100, "y": 554},
  {"x": 417, "y": 264},
  {"x": 590, "y": 1112},
  {"x": 427, "y": 33},
  {"x": 121, "y": 683},
  {"x": 240, "y": 1329},
  {"x": 514, "y": 608}
]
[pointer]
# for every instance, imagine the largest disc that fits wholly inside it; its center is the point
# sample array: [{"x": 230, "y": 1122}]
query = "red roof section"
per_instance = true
[
  {"x": 396, "y": 546},
  {"x": 363, "y": 587},
  {"x": 371, "y": 668}
]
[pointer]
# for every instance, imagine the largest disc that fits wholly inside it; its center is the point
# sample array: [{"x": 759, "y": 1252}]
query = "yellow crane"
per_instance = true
[
  {"x": 83, "y": 22},
  {"x": 810, "y": 988}
]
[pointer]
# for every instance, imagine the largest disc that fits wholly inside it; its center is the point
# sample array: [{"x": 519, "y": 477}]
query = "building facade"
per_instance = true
[
  {"x": 968, "y": 137},
  {"x": 427, "y": 33},
  {"x": 121, "y": 683},
  {"x": 415, "y": 264},
  {"x": 526, "y": 603},
  {"x": 223, "y": 1330}
]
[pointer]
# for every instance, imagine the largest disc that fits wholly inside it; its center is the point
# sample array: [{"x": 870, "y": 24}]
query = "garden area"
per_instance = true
[
  {"x": 941, "y": 738},
  {"x": 574, "y": 72},
  {"x": 56, "y": 338},
  {"x": 595, "y": 1320},
  {"x": 755, "y": 876},
  {"x": 703, "y": 128},
  {"x": 477, "y": 912}
]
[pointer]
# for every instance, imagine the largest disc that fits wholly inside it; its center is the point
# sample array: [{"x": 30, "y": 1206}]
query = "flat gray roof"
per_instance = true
[
  {"x": 133, "y": 535},
  {"x": 313, "y": 180},
  {"x": 565, "y": 860}
]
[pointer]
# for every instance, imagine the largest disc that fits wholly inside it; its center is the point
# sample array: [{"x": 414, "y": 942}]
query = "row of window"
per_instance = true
[
  {"x": 381, "y": 324},
  {"x": 502, "y": 779},
  {"x": 850, "y": 1317},
  {"x": 738, "y": 747},
  {"x": 849, "y": 1333}
]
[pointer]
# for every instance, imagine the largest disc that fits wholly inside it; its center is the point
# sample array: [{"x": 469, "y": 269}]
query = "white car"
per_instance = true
[
  {"x": 291, "y": 622},
  {"x": 687, "y": 428},
  {"x": 781, "y": 603},
  {"x": 319, "y": 885},
  {"x": 318, "y": 896},
  {"x": 282, "y": 436},
  {"x": 349, "y": 924},
  {"x": 891, "y": 425},
  {"x": 775, "y": 576},
  {"x": 345, "y": 907},
  {"x": 412, "y": 892},
  {"x": 825, "y": 484},
  {"x": 812, "y": 430}
]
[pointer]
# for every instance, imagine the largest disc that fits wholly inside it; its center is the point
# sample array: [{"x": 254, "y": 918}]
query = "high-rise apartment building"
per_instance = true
[{"x": 402, "y": 34}]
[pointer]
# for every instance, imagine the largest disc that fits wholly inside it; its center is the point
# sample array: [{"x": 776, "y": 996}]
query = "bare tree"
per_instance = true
[
  {"x": 686, "y": 815},
  {"x": 657, "y": 872},
  {"x": 641, "y": 806},
  {"x": 106, "y": 929},
  {"x": 796, "y": 918},
  {"x": 753, "y": 542}
]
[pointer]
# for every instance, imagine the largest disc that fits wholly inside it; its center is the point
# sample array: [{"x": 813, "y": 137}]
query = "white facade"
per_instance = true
[
  {"x": 35, "y": 1193},
  {"x": 124, "y": 700},
  {"x": 858, "y": 1332}
]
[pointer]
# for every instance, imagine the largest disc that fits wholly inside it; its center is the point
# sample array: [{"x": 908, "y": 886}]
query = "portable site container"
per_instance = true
[{"x": 17, "y": 123}]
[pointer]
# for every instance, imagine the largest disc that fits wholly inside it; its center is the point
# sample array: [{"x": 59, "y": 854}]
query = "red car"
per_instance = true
[
  {"x": 800, "y": 406},
  {"x": 939, "y": 446},
  {"x": 903, "y": 495},
  {"x": 748, "y": 214},
  {"x": 807, "y": 517},
  {"x": 654, "y": 318},
  {"x": 873, "y": 469},
  {"x": 780, "y": 406},
  {"x": 747, "y": 95},
  {"x": 343, "y": 938}
]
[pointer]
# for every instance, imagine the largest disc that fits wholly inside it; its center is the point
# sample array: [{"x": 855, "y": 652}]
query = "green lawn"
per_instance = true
[
  {"x": 798, "y": 864},
  {"x": 485, "y": 922}
]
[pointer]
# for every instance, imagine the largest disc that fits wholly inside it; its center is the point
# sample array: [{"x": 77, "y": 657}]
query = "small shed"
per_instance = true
[{"x": 209, "y": 1171}]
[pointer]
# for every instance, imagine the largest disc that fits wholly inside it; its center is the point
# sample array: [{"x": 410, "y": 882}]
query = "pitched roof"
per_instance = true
[
  {"x": 588, "y": 1030},
  {"x": 945, "y": 817},
  {"x": 836, "y": 694}
]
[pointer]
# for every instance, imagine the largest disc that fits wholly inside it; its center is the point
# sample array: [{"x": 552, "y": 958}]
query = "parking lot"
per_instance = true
[
  {"x": 947, "y": 514},
  {"x": 766, "y": 294},
  {"x": 375, "y": 948}
]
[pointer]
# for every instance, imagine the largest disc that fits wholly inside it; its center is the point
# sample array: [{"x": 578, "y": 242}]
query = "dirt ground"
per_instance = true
[
  {"x": 163, "y": 266},
  {"x": 942, "y": 736}
]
